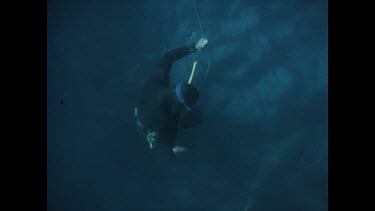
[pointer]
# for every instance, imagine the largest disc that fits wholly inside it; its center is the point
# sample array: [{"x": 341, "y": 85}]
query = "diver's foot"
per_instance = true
[{"x": 179, "y": 149}]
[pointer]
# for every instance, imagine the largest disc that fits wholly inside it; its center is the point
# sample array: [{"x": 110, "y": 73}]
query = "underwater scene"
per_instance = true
[{"x": 260, "y": 69}]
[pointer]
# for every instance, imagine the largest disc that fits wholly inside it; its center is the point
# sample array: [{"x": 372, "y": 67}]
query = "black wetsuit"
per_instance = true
[{"x": 155, "y": 110}]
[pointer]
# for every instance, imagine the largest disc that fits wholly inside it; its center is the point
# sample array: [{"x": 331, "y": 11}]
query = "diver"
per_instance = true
[{"x": 163, "y": 111}]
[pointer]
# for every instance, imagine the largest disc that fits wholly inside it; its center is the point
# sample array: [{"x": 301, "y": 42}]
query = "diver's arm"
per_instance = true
[{"x": 170, "y": 57}]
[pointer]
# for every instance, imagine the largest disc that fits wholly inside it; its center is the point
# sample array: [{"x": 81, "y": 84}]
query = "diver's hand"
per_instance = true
[{"x": 201, "y": 43}]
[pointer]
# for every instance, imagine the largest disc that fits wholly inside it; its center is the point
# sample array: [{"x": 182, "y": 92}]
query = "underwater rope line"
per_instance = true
[
  {"x": 195, "y": 62},
  {"x": 199, "y": 20}
]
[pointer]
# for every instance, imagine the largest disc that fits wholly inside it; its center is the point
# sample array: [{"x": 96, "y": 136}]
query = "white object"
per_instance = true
[
  {"x": 178, "y": 149},
  {"x": 201, "y": 43}
]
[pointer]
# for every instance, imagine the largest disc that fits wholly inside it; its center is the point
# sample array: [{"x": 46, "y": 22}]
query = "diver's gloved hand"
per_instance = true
[
  {"x": 152, "y": 138},
  {"x": 201, "y": 43}
]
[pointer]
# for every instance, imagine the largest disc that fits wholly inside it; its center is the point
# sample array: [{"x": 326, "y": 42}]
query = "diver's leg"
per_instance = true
[
  {"x": 191, "y": 119},
  {"x": 186, "y": 141}
]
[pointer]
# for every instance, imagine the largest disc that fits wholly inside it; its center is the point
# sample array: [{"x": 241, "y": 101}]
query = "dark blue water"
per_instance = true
[{"x": 263, "y": 145}]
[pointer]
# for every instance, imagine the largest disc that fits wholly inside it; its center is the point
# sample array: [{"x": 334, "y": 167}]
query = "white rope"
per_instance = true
[{"x": 199, "y": 20}]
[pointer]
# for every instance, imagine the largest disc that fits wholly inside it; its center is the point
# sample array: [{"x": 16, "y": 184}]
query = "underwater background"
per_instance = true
[{"x": 264, "y": 142}]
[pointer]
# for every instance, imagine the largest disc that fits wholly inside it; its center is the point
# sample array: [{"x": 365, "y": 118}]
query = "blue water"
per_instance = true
[{"x": 263, "y": 145}]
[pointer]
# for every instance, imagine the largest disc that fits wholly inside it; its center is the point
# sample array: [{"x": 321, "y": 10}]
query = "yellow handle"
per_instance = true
[{"x": 192, "y": 72}]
